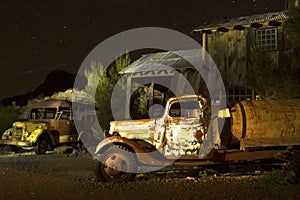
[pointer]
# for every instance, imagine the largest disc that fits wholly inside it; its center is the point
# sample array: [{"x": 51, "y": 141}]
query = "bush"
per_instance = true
[
  {"x": 280, "y": 176},
  {"x": 296, "y": 164},
  {"x": 204, "y": 175}
]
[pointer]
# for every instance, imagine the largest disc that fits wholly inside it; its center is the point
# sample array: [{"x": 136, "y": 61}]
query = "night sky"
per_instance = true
[{"x": 39, "y": 36}]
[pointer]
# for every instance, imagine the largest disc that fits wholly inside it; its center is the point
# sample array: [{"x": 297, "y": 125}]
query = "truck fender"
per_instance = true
[
  {"x": 34, "y": 136},
  {"x": 143, "y": 157},
  {"x": 106, "y": 143},
  {"x": 6, "y": 134}
]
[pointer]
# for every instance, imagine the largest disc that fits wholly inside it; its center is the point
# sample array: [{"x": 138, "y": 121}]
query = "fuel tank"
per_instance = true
[{"x": 262, "y": 119}]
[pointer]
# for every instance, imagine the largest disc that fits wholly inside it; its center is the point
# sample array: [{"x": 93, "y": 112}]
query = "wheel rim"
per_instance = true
[{"x": 116, "y": 167}]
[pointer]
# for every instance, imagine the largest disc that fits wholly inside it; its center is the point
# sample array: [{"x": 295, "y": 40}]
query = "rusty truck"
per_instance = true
[
  {"x": 50, "y": 124},
  {"x": 187, "y": 133}
]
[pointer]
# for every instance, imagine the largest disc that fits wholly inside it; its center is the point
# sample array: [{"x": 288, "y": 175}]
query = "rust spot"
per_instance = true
[{"x": 199, "y": 134}]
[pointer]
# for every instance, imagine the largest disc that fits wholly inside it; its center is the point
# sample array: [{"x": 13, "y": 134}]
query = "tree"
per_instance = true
[
  {"x": 103, "y": 82},
  {"x": 270, "y": 80},
  {"x": 279, "y": 81},
  {"x": 292, "y": 30},
  {"x": 8, "y": 115}
]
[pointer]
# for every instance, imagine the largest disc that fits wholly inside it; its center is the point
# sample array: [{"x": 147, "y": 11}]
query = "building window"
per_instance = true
[
  {"x": 239, "y": 93},
  {"x": 267, "y": 38}
]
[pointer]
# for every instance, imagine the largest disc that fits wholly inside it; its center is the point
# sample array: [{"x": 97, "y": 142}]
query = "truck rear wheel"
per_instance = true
[
  {"x": 41, "y": 146},
  {"x": 116, "y": 164}
]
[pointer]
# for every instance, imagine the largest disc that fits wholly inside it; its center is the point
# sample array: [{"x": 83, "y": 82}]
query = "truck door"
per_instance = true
[
  {"x": 184, "y": 133},
  {"x": 65, "y": 126}
]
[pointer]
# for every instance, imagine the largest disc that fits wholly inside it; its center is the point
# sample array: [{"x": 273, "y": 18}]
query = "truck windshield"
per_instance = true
[
  {"x": 64, "y": 113},
  {"x": 188, "y": 109},
  {"x": 43, "y": 113}
]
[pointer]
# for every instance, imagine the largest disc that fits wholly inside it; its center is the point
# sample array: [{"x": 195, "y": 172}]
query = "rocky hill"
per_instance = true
[{"x": 55, "y": 81}]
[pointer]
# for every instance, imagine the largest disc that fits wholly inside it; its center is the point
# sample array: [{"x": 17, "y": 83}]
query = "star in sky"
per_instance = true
[{"x": 42, "y": 34}]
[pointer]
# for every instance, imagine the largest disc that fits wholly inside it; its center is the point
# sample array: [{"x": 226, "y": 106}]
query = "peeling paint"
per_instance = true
[{"x": 179, "y": 132}]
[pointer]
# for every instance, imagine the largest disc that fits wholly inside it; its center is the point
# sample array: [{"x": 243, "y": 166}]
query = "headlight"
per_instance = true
[{"x": 9, "y": 133}]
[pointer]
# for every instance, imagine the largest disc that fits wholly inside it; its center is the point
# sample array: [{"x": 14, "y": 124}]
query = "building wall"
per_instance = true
[{"x": 231, "y": 52}]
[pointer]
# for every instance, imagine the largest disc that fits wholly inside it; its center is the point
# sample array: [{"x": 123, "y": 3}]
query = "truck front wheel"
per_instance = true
[
  {"x": 41, "y": 146},
  {"x": 116, "y": 164}
]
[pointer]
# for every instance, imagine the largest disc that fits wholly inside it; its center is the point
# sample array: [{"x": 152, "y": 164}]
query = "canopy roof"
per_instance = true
[
  {"x": 164, "y": 61},
  {"x": 240, "y": 23}
]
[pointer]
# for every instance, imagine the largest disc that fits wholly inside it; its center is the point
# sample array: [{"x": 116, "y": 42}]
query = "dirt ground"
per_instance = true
[{"x": 56, "y": 176}]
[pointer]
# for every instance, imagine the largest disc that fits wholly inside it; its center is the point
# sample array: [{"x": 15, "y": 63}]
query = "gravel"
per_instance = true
[{"x": 56, "y": 176}]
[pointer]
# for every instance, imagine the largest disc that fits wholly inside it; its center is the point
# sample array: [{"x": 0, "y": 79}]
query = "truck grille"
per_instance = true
[{"x": 17, "y": 131}]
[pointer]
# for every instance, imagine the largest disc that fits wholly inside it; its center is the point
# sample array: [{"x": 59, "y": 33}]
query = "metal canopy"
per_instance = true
[
  {"x": 155, "y": 63},
  {"x": 163, "y": 64}
]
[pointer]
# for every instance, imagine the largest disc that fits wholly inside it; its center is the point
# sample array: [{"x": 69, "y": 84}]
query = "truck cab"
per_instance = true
[
  {"x": 50, "y": 123},
  {"x": 178, "y": 133}
]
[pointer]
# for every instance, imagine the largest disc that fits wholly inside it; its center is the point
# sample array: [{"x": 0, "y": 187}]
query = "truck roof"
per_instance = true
[
  {"x": 51, "y": 104},
  {"x": 187, "y": 96}
]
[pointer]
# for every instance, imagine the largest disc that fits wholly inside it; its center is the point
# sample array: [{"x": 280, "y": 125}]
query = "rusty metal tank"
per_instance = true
[{"x": 262, "y": 119}]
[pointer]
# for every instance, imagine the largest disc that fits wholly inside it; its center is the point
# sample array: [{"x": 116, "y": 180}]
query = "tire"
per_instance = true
[
  {"x": 116, "y": 164},
  {"x": 41, "y": 146},
  {"x": 15, "y": 149}
]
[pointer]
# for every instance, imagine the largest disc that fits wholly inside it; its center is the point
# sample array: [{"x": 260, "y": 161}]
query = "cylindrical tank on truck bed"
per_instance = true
[{"x": 262, "y": 119}]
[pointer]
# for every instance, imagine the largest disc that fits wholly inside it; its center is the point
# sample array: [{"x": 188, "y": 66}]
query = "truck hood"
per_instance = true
[
  {"x": 29, "y": 126},
  {"x": 135, "y": 129}
]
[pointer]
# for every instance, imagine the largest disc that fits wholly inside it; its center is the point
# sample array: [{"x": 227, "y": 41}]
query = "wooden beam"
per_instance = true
[
  {"x": 206, "y": 31},
  {"x": 203, "y": 48},
  {"x": 275, "y": 23},
  {"x": 128, "y": 95},
  {"x": 246, "y": 156},
  {"x": 223, "y": 29},
  {"x": 256, "y": 25},
  {"x": 239, "y": 27},
  {"x": 269, "y": 142}
]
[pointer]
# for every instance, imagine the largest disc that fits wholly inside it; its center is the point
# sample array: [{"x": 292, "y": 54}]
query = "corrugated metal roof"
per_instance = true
[
  {"x": 164, "y": 61},
  {"x": 244, "y": 20}
]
